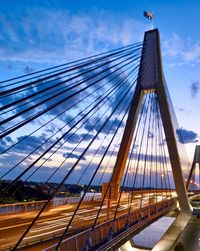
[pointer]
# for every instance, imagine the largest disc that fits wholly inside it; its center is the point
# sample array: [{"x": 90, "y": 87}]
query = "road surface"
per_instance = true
[{"x": 54, "y": 220}]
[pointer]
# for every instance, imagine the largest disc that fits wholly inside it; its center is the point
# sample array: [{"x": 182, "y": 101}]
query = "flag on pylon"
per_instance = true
[{"x": 148, "y": 14}]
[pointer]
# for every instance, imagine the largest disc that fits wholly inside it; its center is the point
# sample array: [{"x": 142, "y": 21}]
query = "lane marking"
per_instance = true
[{"x": 39, "y": 235}]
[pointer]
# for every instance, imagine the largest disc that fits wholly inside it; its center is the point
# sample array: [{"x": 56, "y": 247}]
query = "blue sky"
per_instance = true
[{"x": 38, "y": 34}]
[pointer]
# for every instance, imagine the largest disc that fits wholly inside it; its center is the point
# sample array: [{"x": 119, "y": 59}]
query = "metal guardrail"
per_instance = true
[
  {"x": 102, "y": 232},
  {"x": 29, "y": 206}
]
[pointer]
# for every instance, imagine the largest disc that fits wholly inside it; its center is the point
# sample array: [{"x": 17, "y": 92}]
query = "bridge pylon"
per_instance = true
[
  {"x": 196, "y": 161},
  {"x": 150, "y": 79}
]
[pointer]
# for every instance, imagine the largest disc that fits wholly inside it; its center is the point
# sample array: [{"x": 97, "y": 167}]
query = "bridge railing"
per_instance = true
[
  {"x": 102, "y": 232},
  {"x": 34, "y": 205}
]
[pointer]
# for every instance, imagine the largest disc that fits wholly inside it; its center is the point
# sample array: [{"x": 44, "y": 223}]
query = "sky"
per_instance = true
[{"x": 38, "y": 34}]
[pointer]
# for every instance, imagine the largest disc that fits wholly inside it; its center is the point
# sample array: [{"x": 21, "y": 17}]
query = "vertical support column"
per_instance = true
[
  {"x": 190, "y": 174},
  {"x": 127, "y": 137},
  {"x": 196, "y": 160},
  {"x": 170, "y": 134},
  {"x": 113, "y": 190}
]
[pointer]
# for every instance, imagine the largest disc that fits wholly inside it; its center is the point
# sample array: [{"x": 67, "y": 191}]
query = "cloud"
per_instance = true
[
  {"x": 184, "y": 50},
  {"x": 195, "y": 88},
  {"x": 9, "y": 139},
  {"x": 28, "y": 69},
  {"x": 192, "y": 53},
  {"x": 73, "y": 156},
  {"x": 75, "y": 138},
  {"x": 5, "y": 143},
  {"x": 149, "y": 158},
  {"x": 186, "y": 136},
  {"x": 32, "y": 142},
  {"x": 173, "y": 46},
  {"x": 109, "y": 128},
  {"x": 40, "y": 97},
  {"x": 57, "y": 35},
  {"x": 46, "y": 159},
  {"x": 180, "y": 109},
  {"x": 51, "y": 128},
  {"x": 87, "y": 136}
]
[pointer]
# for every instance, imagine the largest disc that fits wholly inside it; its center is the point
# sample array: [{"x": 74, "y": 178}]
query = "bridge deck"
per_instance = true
[{"x": 101, "y": 235}]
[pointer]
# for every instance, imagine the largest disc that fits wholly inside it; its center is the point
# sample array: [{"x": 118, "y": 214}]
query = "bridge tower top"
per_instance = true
[{"x": 148, "y": 76}]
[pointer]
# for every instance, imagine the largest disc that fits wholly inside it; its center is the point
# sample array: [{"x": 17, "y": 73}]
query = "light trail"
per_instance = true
[{"x": 54, "y": 220}]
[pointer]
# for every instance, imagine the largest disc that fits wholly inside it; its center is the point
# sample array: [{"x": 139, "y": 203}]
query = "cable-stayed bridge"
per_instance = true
[{"x": 105, "y": 121}]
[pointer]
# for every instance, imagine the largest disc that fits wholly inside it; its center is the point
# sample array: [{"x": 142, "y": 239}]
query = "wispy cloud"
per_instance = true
[
  {"x": 192, "y": 53},
  {"x": 60, "y": 36},
  {"x": 185, "y": 50},
  {"x": 195, "y": 88},
  {"x": 173, "y": 46}
]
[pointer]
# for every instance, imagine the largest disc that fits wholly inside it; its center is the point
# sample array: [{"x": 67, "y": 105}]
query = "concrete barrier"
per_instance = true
[{"x": 35, "y": 205}]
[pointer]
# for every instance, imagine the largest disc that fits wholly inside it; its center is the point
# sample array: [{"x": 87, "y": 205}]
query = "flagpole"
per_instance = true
[{"x": 149, "y": 15}]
